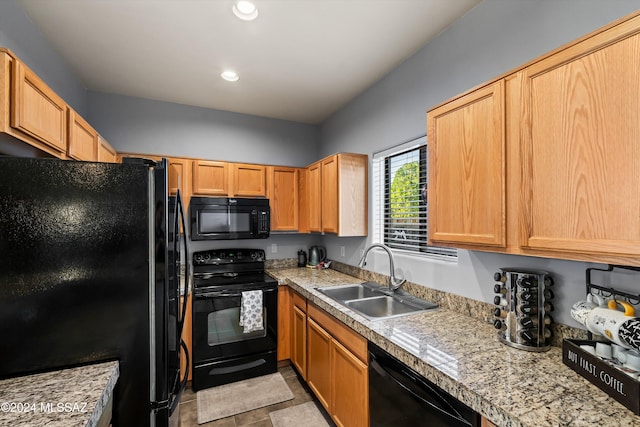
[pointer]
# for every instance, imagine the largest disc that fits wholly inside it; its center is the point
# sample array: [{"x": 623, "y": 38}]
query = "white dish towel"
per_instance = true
[{"x": 251, "y": 311}]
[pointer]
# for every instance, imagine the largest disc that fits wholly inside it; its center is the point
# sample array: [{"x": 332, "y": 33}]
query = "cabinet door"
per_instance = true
[
  {"x": 299, "y": 341},
  {"x": 352, "y": 194},
  {"x": 314, "y": 196},
  {"x": 83, "y": 139},
  {"x": 180, "y": 177},
  {"x": 303, "y": 203},
  {"x": 36, "y": 110},
  {"x": 330, "y": 195},
  {"x": 249, "y": 180},
  {"x": 319, "y": 374},
  {"x": 210, "y": 178},
  {"x": 284, "y": 323},
  {"x": 581, "y": 156},
  {"x": 466, "y": 193},
  {"x": 106, "y": 153},
  {"x": 350, "y": 388},
  {"x": 283, "y": 198}
]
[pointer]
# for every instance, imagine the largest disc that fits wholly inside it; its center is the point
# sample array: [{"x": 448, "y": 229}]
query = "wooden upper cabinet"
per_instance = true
[
  {"x": 283, "y": 197},
  {"x": 466, "y": 190},
  {"x": 581, "y": 149},
  {"x": 314, "y": 196},
  {"x": 31, "y": 111},
  {"x": 210, "y": 178},
  {"x": 330, "y": 195},
  {"x": 106, "y": 153},
  {"x": 337, "y": 195},
  {"x": 83, "y": 139},
  {"x": 353, "y": 194},
  {"x": 546, "y": 160},
  {"x": 249, "y": 180},
  {"x": 180, "y": 177},
  {"x": 303, "y": 201}
]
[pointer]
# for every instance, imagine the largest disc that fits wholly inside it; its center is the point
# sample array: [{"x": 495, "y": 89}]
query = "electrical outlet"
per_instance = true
[
  {"x": 342, "y": 251},
  {"x": 274, "y": 248}
]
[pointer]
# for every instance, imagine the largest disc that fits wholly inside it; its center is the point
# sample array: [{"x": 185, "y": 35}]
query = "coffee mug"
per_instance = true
[
  {"x": 597, "y": 300},
  {"x": 618, "y": 352},
  {"x": 607, "y": 321},
  {"x": 629, "y": 333},
  {"x": 588, "y": 348},
  {"x": 580, "y": 311},
  {"x": 633, "y": 360},
  {"x": 603, "y": 350}
]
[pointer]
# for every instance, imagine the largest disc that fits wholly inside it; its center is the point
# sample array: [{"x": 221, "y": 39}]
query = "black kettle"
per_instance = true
[{"x": 317, "y": 254}]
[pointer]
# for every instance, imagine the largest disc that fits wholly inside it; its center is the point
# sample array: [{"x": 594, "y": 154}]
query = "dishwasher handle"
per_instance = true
[{"x": 450, "y": 412}]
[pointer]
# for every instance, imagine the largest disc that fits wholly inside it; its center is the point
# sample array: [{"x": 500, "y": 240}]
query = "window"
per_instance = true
[{"x": 400, "y": 203}]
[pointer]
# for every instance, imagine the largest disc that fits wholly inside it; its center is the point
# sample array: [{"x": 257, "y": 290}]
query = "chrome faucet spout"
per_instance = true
[{"x": 394, "y": 283}]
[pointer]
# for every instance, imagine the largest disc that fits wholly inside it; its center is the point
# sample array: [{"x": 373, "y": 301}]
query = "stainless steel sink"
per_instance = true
[
  {"x": 383, "y": 306},
  {"x": 349, "y": 292},
  {"x": 375, "y": 301}
]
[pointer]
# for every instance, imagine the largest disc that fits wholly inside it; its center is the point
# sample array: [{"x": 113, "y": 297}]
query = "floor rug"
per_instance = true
[
  {"x": 242, "y": 396},
  {"x": 306, "y": 414}
]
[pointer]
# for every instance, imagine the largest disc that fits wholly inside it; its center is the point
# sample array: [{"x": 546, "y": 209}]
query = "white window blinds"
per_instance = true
[{"x": 400, "y": 204}]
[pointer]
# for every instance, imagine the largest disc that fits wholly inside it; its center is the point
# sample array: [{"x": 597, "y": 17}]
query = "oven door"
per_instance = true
[{"x": 222, "y": 351}]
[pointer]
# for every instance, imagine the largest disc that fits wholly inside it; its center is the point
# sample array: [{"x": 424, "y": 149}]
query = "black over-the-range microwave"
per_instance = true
[{"x": 221, "y": 218}]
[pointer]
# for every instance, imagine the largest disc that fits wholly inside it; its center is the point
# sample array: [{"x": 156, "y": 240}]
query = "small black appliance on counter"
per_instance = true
[{"x": 523, "y": 307}]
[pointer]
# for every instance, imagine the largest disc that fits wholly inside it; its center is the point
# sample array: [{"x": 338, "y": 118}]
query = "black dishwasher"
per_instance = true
[{"x": 399, "y": 396}]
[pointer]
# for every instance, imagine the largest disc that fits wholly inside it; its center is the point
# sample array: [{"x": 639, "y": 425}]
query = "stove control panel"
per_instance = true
[{"x": 228, "y": 256}]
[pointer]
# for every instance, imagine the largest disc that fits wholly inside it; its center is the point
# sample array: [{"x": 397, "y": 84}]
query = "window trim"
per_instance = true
[{"x": 379, "y": 190}]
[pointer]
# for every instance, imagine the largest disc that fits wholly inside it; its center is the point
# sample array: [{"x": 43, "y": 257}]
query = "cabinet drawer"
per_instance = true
[{"x": 300, "y": 302}]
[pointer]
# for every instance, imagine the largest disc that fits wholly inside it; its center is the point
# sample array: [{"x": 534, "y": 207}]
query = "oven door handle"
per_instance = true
[{"x": 211, "y": 294}]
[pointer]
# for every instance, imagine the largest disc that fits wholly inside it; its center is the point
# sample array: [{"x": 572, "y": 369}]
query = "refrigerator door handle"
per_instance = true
[
  {"x": 175, "y": 399},
  {"x": 187, "y": 270}
]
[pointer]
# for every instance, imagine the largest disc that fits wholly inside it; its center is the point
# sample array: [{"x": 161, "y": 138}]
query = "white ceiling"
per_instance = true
[{"x": 300, "y": 60}]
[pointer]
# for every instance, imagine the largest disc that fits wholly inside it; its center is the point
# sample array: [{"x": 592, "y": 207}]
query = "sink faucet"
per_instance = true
[{"x": 394, "y": 284}]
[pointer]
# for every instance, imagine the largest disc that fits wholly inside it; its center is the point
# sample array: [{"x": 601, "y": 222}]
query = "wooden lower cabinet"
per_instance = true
[
  {"x": 337, "y": 371},
  {"x": 299, "y": 335},
  {"x": 350, "y": 386},
  {"x": 328, "y": 355},
  {"x": 284, "y": 323},
  {"x": 319, "y": 348},
  {"x": 486, "y": 423}
]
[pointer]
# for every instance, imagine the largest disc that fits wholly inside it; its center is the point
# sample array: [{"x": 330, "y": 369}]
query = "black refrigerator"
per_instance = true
[{"x": 90, "y": 259}]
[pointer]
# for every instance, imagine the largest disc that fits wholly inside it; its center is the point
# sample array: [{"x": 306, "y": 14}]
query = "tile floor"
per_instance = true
[{"x": 256, "y": 418}]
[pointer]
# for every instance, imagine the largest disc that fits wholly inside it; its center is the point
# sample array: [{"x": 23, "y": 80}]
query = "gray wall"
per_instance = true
[
  {"x": 25, "y": 40},
  {"x": 154, "y": 127},
  {"x": 494, "y": 37}
]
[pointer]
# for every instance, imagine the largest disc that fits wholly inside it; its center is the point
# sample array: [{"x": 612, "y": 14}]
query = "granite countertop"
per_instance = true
[
  {"x": 463, "y": 356},
  {"x": 67, "y": 397}
]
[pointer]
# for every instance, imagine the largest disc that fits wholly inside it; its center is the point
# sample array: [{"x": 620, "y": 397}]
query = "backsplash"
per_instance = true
[{"x": 469, "y": 307}]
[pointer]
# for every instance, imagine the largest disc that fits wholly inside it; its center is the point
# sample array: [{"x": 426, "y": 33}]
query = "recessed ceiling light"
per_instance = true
[
  {"x": 230, "y": 76},
  {"x": 245, "y": 10}
]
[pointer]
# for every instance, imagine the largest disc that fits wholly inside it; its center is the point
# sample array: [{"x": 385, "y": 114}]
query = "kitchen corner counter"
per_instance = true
[
  {"x": 463, "y": 356},
  {"x": 67, "y": 397}
]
